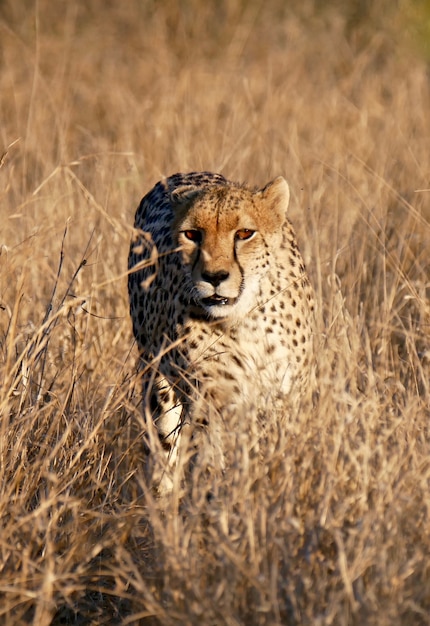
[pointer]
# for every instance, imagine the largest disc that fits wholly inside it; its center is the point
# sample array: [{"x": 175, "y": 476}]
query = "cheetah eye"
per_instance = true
[
  {"x": 193, "y": 235},
  {"x": 244, "y": 233}
]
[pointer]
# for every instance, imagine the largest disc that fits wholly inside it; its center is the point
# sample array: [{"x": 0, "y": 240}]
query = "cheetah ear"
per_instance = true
[
  {"x": 184, "y": 195},
  {"x": 276, "y": 196}
]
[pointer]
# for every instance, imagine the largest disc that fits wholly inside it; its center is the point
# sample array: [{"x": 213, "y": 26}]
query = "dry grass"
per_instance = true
[{"x": 323, "y": 518}]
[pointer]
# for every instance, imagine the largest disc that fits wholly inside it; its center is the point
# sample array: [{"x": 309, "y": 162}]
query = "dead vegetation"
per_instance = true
[{"x": 322, "y": 518}]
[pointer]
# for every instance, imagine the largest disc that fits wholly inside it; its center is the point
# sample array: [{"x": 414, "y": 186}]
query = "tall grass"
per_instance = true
[{"x": 322, "y": 517}]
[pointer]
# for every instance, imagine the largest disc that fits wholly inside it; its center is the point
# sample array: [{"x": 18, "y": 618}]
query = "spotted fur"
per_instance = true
[{"x": 221, "y": 304}]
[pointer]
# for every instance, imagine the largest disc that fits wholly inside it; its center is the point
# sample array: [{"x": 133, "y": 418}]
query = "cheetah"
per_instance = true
[{"x": 220, "y": 301}]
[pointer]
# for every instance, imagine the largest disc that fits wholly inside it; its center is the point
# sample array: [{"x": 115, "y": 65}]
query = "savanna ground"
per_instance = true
[{"x": 322, "y": 518}]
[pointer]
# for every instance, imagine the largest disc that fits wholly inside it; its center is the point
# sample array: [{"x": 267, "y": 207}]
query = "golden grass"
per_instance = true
[{"x": 322, "y": 518}]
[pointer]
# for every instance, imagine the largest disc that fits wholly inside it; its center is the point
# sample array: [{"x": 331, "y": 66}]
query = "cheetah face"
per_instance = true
[{"x": 226, "y": 237}]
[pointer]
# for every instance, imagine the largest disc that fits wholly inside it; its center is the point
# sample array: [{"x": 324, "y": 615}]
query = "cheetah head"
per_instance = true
[{"x": 227, "y": 236}]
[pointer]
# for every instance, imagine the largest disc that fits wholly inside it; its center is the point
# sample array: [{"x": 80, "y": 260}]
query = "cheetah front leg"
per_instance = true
[{"x": 167, "y": 435}]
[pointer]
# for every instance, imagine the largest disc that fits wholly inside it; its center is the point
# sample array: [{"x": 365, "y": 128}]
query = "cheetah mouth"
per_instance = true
[{"x": 217, "y": 300}]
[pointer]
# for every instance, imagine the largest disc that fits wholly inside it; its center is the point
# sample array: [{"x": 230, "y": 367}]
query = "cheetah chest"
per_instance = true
[{"x": 249, "y": 361}]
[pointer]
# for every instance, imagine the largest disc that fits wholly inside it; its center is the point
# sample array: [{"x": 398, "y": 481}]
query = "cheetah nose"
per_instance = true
[{"x": 215, "y": 278}]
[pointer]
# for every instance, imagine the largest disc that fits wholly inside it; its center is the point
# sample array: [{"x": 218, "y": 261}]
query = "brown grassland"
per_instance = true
[{"x": 322, "y": 517}]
